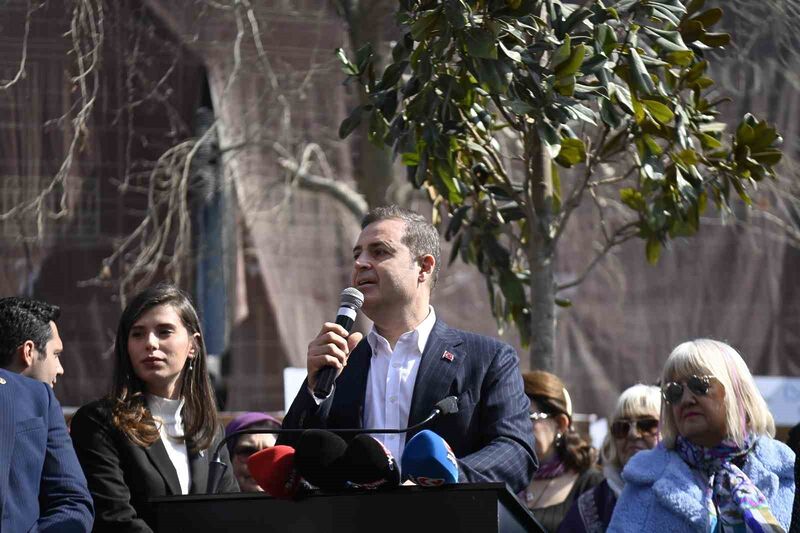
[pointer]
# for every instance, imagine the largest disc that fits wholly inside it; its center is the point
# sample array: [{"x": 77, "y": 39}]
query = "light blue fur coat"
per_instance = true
[{"x": 662, "y": 494}]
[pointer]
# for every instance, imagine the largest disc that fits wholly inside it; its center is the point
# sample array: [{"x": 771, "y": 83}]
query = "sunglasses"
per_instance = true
[
  {"x": 698, "y": 385},
  {"x": 621, "y": 428},
  {"x": 244, "y": 452},
  {"x": 539, "y": 416}
]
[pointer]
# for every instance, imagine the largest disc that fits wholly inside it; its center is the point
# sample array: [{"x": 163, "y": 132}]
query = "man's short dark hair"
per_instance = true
[
  {"x": 420, "y": 235},
  {"x": 24, "y": 319}
]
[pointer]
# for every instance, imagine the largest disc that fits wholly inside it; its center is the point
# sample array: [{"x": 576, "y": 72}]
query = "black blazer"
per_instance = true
[
  {"x": 123, "y": 476},
  {"x": 491, "y": 435}
]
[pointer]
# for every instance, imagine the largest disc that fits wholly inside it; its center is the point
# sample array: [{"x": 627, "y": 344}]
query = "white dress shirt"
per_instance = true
[
  {"x": 390, "y": 384},
  {"x": 167, "y": 414}
]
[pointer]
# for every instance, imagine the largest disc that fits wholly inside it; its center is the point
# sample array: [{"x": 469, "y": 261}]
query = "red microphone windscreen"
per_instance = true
[{"x": 273, "y": 469}]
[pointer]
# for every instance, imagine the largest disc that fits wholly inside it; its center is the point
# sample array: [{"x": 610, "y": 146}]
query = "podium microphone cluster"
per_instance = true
[{"x": 318, "y": 456}]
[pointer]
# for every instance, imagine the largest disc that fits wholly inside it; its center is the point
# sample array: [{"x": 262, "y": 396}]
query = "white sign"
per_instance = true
[
  {"x": 292, "y": 380},
  {"x": 783, "y": 398}
]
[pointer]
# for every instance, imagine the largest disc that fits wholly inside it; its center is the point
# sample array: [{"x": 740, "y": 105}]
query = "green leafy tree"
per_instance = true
[{"x": 512, "y": 112}]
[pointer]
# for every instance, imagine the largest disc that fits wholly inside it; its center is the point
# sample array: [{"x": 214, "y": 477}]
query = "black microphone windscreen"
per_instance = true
[
  {"x": 318, "y": 456},
  {"x": 448, "y": 405},
  {"x": 367, "y": 463}
]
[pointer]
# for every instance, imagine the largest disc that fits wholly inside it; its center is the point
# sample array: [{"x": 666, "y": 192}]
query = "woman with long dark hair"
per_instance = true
[
  {"x": 154, "y": 434},
  {"x": 566, "y": 461}
]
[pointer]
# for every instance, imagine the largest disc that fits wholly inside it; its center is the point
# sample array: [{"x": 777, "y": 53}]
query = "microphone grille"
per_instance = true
[
  {"x": 448, "y": 405},
  {"x": 352, "y": 296}
]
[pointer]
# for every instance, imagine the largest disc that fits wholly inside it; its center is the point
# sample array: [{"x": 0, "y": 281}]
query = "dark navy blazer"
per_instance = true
[
  {"x": 491, "y": 434},
  {"x": 36, "y": 458}
]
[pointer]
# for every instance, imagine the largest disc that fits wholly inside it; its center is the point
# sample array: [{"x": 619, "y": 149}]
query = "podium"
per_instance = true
[{"x": 463, "y": 508}]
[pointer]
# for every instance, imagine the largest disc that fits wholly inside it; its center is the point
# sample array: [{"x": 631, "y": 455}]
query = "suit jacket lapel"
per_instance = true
[
  {"x": 436, "y": 373},
  {"x": 7, "y": 435},
  {"x": 198, "y": 470},
  {"x": 157, "y": 454},
  {"x": 351, "y": 388}
]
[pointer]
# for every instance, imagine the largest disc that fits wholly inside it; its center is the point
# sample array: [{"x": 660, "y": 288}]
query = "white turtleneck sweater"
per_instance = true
[{"x": 167, "y": 414}]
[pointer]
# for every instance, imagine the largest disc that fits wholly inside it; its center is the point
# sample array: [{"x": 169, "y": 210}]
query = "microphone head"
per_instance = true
[
  {"x": 352, "y": 297},
  {"x": 429, "y": 461},
  {"x": 448, "y": 405},
  {"x": 274, "y": 471},
  {"x": 368, "y": 464},
  {"x": 318, "y": 457}
]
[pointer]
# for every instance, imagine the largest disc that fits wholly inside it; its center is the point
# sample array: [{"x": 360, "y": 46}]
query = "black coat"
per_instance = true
[{"x": 123, "y": 476}]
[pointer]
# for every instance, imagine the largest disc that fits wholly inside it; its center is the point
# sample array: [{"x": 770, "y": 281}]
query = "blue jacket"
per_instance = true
[
  {"x": 491, "y": 434},
  {"x": 42, "y": 487},
  {"x": 662, "y": 494}
]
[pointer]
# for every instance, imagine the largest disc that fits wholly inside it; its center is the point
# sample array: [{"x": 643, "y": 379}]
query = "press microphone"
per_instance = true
[
  {"x": 274, "y": 471},
  {"x": 318, "y": 458},
  {"x": 429, "y": 461},
  {"x": 351, "y": 302},
  {"x": 216, "y": 468},
  {"x": 368, "y": 464}
]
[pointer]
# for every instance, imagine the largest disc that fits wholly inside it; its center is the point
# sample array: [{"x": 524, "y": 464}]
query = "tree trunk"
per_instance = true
[
  {"x": 543, "y": 316},
  {"x": 540, "y": 255},
  {"x": 372, "y": 165}
]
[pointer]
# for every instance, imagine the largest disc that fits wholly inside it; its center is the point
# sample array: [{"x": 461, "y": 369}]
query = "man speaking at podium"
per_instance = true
[{"x": 411, "y": 359}]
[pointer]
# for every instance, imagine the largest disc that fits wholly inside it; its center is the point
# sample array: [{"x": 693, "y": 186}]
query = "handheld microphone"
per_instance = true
[
  {"x": 368, "y": 464},
  {"x": 429, "y": 461},
  {"x": 318, "y": 458},
  {"x": 351, "y": 302},
  {"x": 274, "y": 471},
  {"x": 216, "y": 468}
]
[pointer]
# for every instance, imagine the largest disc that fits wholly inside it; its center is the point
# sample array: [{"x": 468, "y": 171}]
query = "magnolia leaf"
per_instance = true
[
  {"x": 572, "y": 152},
  {"x": 480, "y": 43},
  {"x": 573, "y": 62},
  {"x": 633, "y": 199},
  {"x": 425, "y": 24},
  {"x": 653, "y": 250},
  {"x": 659, "y": 111},
  {"x": 715, "y": 40},
  {"x": 640, "y": 76},
  {"x": 709, "y": 17},
  {"x": 562, "y": 53},
  {"x": 350, "y": 123}
]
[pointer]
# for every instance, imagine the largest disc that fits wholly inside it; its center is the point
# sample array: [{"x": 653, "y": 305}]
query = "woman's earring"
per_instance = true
[
  {"x": 559, "y": 439},
  {"x": 191, "y": 365}
]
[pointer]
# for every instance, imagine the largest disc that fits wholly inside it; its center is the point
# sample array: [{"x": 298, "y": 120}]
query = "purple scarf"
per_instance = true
[
  {"x": 550, "y": 469},
  {"x": 739, "y": 501}
]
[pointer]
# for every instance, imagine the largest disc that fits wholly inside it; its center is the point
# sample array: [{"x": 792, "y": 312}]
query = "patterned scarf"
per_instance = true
[
  {"x": 550, "y": 469},
  {"x": 742, "y": 507}
]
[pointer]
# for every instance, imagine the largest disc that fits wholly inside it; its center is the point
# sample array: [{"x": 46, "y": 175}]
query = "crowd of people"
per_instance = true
[{"x": 695, "y": 453}]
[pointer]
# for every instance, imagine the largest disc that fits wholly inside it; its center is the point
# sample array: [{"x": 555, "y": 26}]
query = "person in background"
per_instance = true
[
  {"x": 30, "y": 344},
  {"x": 243, "y": 446},
  {"x": 632, "y": 427},
  {"x": 42, "y": 487},
  {"x": 567, "y": 461},
  {"x": 718, "y": 467},
  {"x": 155, "y": 433}
]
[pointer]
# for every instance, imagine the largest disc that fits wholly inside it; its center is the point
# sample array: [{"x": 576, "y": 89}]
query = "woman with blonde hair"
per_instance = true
[
  {"x": 719, "y": 469},
  {"x": 566, "y": 460},
  {"x": 632, "y": 427},
  {"x": 153, "y": 434}
]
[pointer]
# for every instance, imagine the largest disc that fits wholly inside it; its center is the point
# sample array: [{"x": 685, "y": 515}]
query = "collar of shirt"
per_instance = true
[
  {"x": 168, "y": 412},
  {"x": 420, "y": 334}
]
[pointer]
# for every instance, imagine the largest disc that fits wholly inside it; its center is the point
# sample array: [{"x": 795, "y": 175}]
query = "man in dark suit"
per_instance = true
[
  {"x": 37, "y": 459},
  {"x": 30, "y": 344},
  {"x": 411, "y": 360}
]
